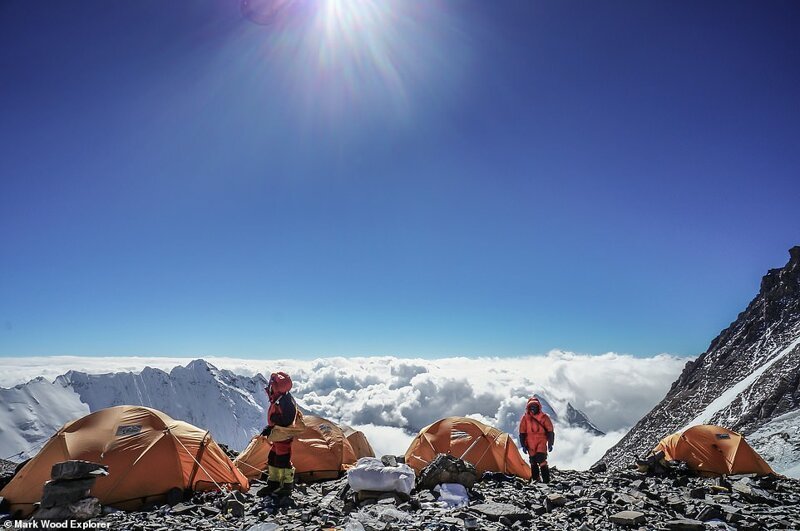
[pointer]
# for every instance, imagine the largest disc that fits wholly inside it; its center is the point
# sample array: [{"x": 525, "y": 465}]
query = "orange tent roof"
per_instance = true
[
  {"x": 147, "y": 453},
  {"x": 359, "y": 442},
  {"x": 488, "y": 448},
  {"x": 712, "y": 450},
  {"x": 321, "y": 452}
]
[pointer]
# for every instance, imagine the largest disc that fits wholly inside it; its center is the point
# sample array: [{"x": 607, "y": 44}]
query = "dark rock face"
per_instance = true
[
  {"x": 758, "y": 353},
  {"x": 7, "y": 469},
  {"x": 573, "y": 500},
  {"x": 577, "y": 418}
]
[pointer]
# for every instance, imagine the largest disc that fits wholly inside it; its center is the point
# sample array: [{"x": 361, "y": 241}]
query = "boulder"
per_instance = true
[
  {"x": 234, "y": 507},
  {"x": 627, "y": 518},
  {"x": 494, "y": 511},
  {"x": 81, "y": 510},
  {"x": 554, "y": 500},
  {"x": 78, "y": 470},
  {"x": 599, "y": 468},
  {"x": 447, "y": 469},
  {"x": 389, "y": 460},
  {"x": 685, "y": 524},
  {"x": 65, "y": 491},
  {"x": 183, "y": 508}
]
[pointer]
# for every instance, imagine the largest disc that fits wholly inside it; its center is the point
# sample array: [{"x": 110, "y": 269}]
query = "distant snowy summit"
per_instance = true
[{"x": 748, "y": 380}]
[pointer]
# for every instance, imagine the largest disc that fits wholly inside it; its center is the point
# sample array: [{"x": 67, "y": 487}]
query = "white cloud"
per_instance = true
[{"x": 392, "y": 398}]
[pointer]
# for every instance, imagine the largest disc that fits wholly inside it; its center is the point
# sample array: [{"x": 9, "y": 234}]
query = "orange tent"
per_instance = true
[
  {"x": 321, "y": 452},
  {"x": 488, "y": 448},
  {"x": 359, "y": 442},
  {"x": 147, "y": 453},
  {"x": 712, "y": 450}
]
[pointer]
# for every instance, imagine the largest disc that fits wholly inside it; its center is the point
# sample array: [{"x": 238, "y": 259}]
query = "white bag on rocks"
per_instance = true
[
  {"x": 453, "y": 494},
  {"x": 371, "y": 474}
]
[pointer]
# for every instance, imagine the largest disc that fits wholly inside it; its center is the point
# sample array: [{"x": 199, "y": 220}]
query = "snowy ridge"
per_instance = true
[
  {"x": 233, "y": 408},
  {"x": 723, "y": 401},
  {"x": 31, "y": 413}
]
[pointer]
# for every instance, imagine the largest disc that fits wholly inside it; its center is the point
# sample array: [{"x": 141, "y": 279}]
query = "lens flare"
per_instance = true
[{"x": 357, "y": 55}]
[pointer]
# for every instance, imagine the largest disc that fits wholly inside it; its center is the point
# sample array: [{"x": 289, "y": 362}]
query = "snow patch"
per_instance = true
[
  {"x": 31, "y": 413},
  {"x": 726, "y": 399},
  {"x": 777, "y": 442}
]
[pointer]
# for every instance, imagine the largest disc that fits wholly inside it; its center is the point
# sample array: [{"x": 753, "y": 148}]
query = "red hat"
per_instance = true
[{"x": 279, "y": 383}]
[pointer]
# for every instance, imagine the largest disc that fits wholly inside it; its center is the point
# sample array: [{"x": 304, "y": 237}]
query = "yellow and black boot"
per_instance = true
[
  {"x": 274, "y": 475},
  {"x": 286, "y": 482}
]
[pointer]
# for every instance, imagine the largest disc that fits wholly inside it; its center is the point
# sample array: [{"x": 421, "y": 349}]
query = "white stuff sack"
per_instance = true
[
  {"x": 371, "y": 474},
  {"x": 453, "y": 494}
]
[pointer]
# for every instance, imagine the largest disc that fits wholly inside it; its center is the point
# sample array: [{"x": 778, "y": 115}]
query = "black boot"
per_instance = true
[
  {"x": 545, "y": 474},
  {"x": 534, "y": 472},
  {"x": 273, "y": 481}
]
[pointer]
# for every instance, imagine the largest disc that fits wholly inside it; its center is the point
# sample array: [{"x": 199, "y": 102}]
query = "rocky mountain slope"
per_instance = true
[
  {"x": 582, "y": 501},
  {"x": 748, "y": 380}
]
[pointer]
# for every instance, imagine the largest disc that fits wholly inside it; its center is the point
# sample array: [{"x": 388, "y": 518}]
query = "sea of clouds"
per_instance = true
[{"x": 391, "y": 399}]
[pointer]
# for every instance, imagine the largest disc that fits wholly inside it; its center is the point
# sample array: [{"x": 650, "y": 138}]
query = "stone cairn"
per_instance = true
[{"x": 67, "y": 495}]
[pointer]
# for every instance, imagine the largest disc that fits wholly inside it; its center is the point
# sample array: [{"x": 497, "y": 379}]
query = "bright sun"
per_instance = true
[{"x": 345, "y": 51}]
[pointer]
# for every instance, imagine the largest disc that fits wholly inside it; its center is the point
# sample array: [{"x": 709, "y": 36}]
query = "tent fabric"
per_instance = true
[
  {"x": 359, "y": 442},
  {"x": 147, "y": 453},
  {"x": 713, "y": 450},
  {"x": 488, "y": 448},
  {"x": 322, "y": 451}
]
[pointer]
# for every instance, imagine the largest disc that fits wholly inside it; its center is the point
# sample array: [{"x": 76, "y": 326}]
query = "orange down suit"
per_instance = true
[{"x": 537, "y": 429}]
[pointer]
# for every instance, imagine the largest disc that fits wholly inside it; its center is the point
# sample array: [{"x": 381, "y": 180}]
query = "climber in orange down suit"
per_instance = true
[{"x": 536, "y": 437}]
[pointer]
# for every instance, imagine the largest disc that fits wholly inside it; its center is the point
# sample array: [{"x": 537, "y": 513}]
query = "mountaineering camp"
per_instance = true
[{"x": 135, "y": 458}]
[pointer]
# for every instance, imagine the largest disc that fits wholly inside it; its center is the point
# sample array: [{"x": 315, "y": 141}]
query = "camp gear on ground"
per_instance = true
[
  {"x": 147, "y": 454},
  {"x": 453, "y": 494},
  {"x": 488, "y": 448},
  {"x": 713, "y": 450},
  {"x": 321, "y": 451},
  {"x": 370, "y": 474},
  {"x": 447, "y": 469}
]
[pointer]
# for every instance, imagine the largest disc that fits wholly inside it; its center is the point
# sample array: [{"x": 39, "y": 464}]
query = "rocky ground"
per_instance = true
[
  {"x": 6, "y": 471},
  {"x": 573, "y": 500}
]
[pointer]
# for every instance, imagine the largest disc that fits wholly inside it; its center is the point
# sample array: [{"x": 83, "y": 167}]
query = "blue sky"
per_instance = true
[{"x": 408, "y": 178}]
